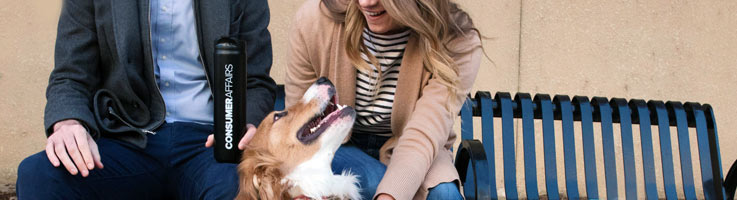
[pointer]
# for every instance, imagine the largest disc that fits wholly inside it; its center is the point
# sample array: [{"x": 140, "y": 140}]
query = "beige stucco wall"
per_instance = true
[{"x": 669, "y": 50}]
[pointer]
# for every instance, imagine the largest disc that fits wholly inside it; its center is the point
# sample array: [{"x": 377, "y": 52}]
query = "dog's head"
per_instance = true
[{"x": 291, "y": 152}]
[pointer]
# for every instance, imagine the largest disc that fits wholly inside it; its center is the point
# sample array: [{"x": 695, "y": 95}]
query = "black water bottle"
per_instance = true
[{"x": 230, "y": 98}]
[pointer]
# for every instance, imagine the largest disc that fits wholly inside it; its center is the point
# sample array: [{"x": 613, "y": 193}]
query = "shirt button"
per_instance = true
[
  {"x": 163, "y": 57},
  {"x": 166, "y": 84},
  {"x": 163, "y": 40},
  {"x": 163, "y": 8}
]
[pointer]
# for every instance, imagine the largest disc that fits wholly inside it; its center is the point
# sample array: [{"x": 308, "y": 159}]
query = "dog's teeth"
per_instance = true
[{"x": 313, "y": 129}]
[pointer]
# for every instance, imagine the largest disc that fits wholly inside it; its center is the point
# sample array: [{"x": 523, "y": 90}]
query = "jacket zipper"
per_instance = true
[
  {"x": 199, "y": 45},
  {"x": 112, "y": 112},
  {"x": 153, "y": 76}
]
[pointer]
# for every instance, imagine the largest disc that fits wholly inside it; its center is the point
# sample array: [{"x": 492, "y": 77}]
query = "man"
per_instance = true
[{"x": 129, "y": 102}]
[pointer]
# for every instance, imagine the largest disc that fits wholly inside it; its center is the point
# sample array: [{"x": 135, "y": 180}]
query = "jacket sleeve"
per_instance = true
[
  {"x": 75, "y": 73},
  {"x": 429, "y": 125},
  {"x": 300, "y": 71},
  {"x": 261, "y": 90}
]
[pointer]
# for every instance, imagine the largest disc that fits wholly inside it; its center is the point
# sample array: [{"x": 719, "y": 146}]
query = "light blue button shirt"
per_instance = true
[{"x": 179, "y": 72}]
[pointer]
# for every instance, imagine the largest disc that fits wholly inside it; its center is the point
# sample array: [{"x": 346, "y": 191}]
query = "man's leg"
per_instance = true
[
  {"x": 369, "y": 170},
  {"x": 196, "y": 174},
  {"x": 129, "y": 173}
]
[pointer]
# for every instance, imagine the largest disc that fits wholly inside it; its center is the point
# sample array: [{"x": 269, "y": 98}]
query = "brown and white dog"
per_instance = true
[{"x": 290, "y": 154}]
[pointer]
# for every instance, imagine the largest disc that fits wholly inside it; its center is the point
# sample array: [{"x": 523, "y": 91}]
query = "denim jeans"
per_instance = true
[
  {"x": 174, "y": 165},
  {"x": 360, "y": 157}
]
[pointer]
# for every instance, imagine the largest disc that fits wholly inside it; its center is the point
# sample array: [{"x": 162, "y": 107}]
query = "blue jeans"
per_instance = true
[
  {"x": 360, "y": 157},
  {"x": 174, "y": 165}
]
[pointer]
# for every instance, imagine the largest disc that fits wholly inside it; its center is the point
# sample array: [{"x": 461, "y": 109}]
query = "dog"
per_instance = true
[{"x": 290, "y": 155}]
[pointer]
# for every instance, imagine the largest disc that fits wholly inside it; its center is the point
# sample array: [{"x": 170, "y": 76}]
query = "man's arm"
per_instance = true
[
  {"x": 75, "y": 73},
  {"x": 261, "y": 87},
  {"x": 68, "y": 118}
]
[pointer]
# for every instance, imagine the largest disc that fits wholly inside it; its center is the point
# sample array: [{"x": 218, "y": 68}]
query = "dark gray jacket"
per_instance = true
[{"x": 103, "y": 74}]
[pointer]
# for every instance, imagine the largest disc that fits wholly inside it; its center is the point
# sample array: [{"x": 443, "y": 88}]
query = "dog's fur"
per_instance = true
[{"x": 279, "y": 163}]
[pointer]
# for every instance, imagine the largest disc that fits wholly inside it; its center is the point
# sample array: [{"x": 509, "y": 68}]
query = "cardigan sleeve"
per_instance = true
[
  {"x": 300, "y": 71},
  {"x": 430, "y": 124}
]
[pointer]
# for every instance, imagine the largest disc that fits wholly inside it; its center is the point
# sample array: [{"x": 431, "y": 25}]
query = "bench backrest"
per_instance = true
[{"x": 587, "y": 111}]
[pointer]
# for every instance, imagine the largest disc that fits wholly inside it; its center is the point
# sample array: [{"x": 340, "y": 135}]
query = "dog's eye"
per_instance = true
[{"x": 277, "y": 116}]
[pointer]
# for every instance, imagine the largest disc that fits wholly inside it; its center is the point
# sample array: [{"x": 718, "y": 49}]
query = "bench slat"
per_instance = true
[
  {"x": 666, "y": 153},
  {"x": 467, "y": 120},
  {"x": 622, "y": 111},
  {"x": 604, "y": 112},
  {"x": 510, "y": 167},
  {"x": 711, "y": 127},
  {"x": 565, "y": 113},
  {"x": 551, "y": 173},
  {"x": 584, "y": 112},
  {"x": 684, "y": 147},
  {"x": 279, "y": 101},
  {"x": 642, "y": 114},
  {"x": 696, "y": 115},
  {"x": 487, "y": 130},
  {"x": 524, "y": 102}
]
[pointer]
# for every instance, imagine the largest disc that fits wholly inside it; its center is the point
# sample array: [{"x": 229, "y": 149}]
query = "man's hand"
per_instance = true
[
  {"x": 71, "y": 145},
  {"x": 251, "y": 130}
]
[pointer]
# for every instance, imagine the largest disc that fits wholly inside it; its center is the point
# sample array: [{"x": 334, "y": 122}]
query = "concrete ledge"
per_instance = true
[{"x": 7, "y": 191}]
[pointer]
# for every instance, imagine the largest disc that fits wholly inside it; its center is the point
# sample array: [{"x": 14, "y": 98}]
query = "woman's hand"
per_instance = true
[{"x": 250, "y": 131}]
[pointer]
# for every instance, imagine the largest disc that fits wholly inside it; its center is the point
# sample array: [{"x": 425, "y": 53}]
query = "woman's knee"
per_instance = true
[
  {"x": 369, "y": 170},
  {"x": 447, "y": 190}
]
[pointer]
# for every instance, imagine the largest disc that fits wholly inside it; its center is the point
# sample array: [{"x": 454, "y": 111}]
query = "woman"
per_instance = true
[{"x": 428, "y": 52}]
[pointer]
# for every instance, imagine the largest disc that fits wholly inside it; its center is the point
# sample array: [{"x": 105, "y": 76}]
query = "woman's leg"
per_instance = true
[
  {"x": 447, "y": 190},
  {"x": 369, "y": 170}
]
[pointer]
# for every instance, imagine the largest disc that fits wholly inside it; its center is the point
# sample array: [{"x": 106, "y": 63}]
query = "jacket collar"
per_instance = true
[
  {"x": 345, "y": 75},
  {"x": 411, "y": 72}
]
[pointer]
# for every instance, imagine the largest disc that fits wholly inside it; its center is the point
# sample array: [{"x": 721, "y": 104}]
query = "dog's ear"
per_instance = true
[{"x": 260, "y": 177}]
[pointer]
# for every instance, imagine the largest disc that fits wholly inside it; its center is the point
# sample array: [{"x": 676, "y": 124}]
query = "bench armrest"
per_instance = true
[
  {"x": 473, "y": 170},
  {"x": 730, "y": 182}
]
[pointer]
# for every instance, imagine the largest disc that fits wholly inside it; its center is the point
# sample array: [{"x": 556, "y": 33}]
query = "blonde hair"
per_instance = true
[{"x": 433, "y": 22}]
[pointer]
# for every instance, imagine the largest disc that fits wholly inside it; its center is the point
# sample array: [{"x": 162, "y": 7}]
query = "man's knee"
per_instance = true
[
  {"x": 36, "y": 173},
  {"x": 34, "y": 166}
]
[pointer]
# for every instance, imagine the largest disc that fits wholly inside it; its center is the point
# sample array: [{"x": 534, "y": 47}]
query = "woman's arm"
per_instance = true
[
  {"x": 300, "y": 71},
  {"x": 430, "y": 124}
]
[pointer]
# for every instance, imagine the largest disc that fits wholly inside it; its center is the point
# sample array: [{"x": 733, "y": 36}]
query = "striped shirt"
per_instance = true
[{"x": 375, "y": 97}]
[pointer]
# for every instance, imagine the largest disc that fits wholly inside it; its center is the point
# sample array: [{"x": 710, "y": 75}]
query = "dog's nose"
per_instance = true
[{"x": 323, "y": 81}]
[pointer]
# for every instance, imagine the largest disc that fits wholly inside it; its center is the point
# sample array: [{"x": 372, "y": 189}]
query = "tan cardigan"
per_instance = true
[{"x": 418, "y": 155}]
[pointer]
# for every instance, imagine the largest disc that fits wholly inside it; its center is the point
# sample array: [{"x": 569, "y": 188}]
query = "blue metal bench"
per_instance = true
[{"x": 477, "y": 171}]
